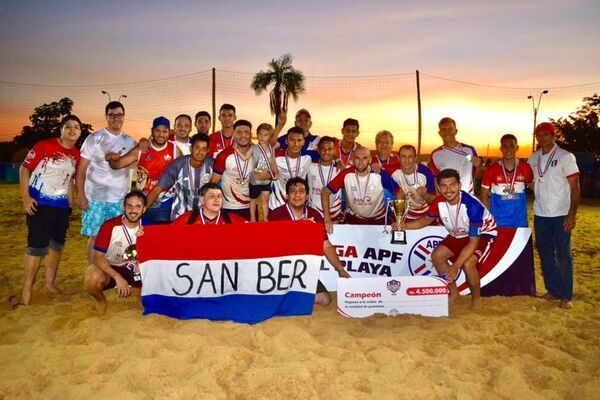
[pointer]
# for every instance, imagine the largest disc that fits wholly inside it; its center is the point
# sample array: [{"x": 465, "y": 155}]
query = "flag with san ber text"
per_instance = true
[{"x": 241, "y": 272}]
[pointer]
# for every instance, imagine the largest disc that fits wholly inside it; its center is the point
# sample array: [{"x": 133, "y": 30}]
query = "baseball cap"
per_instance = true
[
  {"x": 161, "y": 121},
  {"x": 546, "y": 127},
  {"x": 302, "y": 111}
]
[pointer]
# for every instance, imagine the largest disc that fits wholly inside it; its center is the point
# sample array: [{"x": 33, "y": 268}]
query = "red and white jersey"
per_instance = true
[
  {"x": 318, "y": 176},
  {"x": 467, "y": 218},
  {"x": 364, "y": 193},
  {"x": 235, "y": 177},
  {"x": 346, "y": 157},
  {"x": 52, "y": 170},
  {"x": 552, "y": 172},
  {"x": 113, "y": 238},
  {"x": 392, "y": 159},
  {"x": 288, "y": 168},
  {"x": 421, "y": 177},
  {"x": 152, "y": 164},
  {"x": 457, "y": 158},
  {"x": 217, "y": 142}
]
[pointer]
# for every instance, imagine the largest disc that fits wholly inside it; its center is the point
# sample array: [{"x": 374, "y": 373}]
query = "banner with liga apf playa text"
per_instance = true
[{"x": 240, "y": 272}]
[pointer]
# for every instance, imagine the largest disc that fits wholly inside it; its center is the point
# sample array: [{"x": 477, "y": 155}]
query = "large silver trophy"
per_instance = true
[
  {"x": 133, "y": 266},
  {"x": 400, "y": 209}
]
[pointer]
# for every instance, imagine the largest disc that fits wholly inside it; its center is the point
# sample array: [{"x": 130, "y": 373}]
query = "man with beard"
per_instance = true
[
  {"x": 233, "y": 167},
  {"x": 347, "y": 146},
  {"x": 471, "y": 233},
  {"x": 150, "y": 165},
  {"x": 303, "y": 121},
  {"x": 186, "y": 175},
  {"x": 364, "y": 189},
  {"x": 296, "y": 210},
  {"x": 100, "y": 189},
  {"x": 182, "y": 129},
  {"x": 116, "y": 239}
]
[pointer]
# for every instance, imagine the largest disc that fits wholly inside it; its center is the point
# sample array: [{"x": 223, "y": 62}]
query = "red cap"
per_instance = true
[{"x": 545, "y": 127}]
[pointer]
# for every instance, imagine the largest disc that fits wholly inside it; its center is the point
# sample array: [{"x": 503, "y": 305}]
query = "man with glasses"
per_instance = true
[{"x": 101, "y": 189}]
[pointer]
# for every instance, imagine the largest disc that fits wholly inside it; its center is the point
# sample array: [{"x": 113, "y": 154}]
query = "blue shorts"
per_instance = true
[{"x": 97, "y": 213}]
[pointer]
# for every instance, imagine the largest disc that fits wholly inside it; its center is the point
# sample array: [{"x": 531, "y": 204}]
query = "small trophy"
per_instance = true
[
  {"x": 400, "y": 209},
  {"x": 130, "y": 255}
]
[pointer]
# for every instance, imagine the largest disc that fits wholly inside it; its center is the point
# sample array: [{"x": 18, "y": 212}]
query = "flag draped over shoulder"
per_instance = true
[{"x": 241, "y": 272}]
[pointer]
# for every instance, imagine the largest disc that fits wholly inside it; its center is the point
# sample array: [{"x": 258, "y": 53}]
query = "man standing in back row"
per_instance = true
[
  {"x": 556, "y": 183},
  {"x": 101, "y": 189},
  {"x": 457, "y": 156}
]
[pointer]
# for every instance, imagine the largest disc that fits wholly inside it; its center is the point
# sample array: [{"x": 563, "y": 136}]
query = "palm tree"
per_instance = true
[{"x": 284, "y": 80}]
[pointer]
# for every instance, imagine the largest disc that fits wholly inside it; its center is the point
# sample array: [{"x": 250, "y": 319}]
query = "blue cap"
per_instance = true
[{"x": 161, "y": 121}]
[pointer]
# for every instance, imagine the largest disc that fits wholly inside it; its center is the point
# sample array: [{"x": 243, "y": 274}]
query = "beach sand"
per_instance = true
[{"x": 513, "y": 348}]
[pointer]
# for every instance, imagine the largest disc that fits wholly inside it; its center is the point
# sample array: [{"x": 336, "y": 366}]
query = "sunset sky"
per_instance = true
[{"x": 532, "y": 45}]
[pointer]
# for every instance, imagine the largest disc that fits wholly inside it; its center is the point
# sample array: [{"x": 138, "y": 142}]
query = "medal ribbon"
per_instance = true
[
  {"x": 329, "y": 175},
  {"x": 287, "y": 161},
  {"x": 457, "y": 150},
  {"x": 242, "y": 171},
  {"x": 361, "y": 196},
  {"x": 293, "y": 216},
  {"x": 454, "y": 224},
  {"x": 205, "y": 218},
  {"x": 414, "y": 178},
  {"x": 540, "y": 172},
  {"x": 126, "y": 232},
  {"x": 511, "y": 186},
  {"x": 222, "y": 137},
  {"x": 264, "y": 153},
  {"x": 349, "y": 156}
]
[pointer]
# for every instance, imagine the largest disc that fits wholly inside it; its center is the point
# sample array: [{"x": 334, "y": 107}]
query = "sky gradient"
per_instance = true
[{"x": 515, "y": 44}]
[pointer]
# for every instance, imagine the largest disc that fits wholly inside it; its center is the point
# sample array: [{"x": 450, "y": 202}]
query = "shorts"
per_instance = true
[
  {"x": 157, "y": 215},
  {"x": 244, "y": 213},
  {"x": 47, "y": 229},
  {"x": 320, "y": 287},
  {"x": 255, "y": 190},
  {"x": 457, "y": 244},
  {"x": 98, "y": 213},
  {"x": 126, "y": 274}
]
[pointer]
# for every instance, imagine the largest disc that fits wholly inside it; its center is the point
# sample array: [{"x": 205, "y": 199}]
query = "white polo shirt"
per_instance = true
[
  {"x": 551, "y": 172},
  {"x": 458, "y": 159}
]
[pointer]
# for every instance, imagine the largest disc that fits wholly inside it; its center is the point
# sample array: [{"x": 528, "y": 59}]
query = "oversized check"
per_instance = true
[{"x": 363, "y": 297}]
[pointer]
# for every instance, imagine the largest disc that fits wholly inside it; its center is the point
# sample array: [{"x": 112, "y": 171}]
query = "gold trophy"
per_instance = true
[
  {"x": 133, "y": 266},
  {"x": 400, "y": 209}
]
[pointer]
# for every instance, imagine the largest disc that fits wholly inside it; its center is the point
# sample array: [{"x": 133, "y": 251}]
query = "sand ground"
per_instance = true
[{"x": 513, "y": 348}]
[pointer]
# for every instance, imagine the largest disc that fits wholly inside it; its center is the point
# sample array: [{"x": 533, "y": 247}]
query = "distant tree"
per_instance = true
[
  {"x": 580, "y": 132},
  {"x": 45, "y": 123},
  {"x": 284, "y": 81}
]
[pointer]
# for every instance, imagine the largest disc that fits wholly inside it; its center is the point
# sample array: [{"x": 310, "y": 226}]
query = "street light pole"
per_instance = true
[{"x": 535, "y": 112}]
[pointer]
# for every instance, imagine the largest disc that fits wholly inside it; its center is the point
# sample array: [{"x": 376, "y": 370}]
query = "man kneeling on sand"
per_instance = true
[
  {"x": 115, "y": 258},
  {"x": 471, "y": 233}
]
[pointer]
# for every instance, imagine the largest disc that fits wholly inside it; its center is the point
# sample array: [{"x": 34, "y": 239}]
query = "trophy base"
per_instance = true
[{"x": 399, "y": 237}]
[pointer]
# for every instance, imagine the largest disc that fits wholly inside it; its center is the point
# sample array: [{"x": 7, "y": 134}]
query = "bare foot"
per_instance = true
[
  {"x": 51, "y": 290},
  {"x": 26, "y": 296},
  {"x": 566, "y": 304},
  {"x": 546, "y": 296},
  {"x": 475, "y": 304}
]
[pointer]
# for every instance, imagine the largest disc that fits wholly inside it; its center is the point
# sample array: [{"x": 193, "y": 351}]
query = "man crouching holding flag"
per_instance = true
[
  {"x": 115, "y": 262},
  {"x": 296, "y": 210}
]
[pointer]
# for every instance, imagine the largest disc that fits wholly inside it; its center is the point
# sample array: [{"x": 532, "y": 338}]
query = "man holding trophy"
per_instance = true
[
  {"x": 471, "y": 233},
  {"x": 115, "y": 262}
]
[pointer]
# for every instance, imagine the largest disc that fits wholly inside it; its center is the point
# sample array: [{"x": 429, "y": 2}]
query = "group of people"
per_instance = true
[{"x": 220, "y": 178}]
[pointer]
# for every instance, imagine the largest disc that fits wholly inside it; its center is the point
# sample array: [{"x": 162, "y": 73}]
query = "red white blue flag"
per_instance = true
[{"x": 240, "y": 272}]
